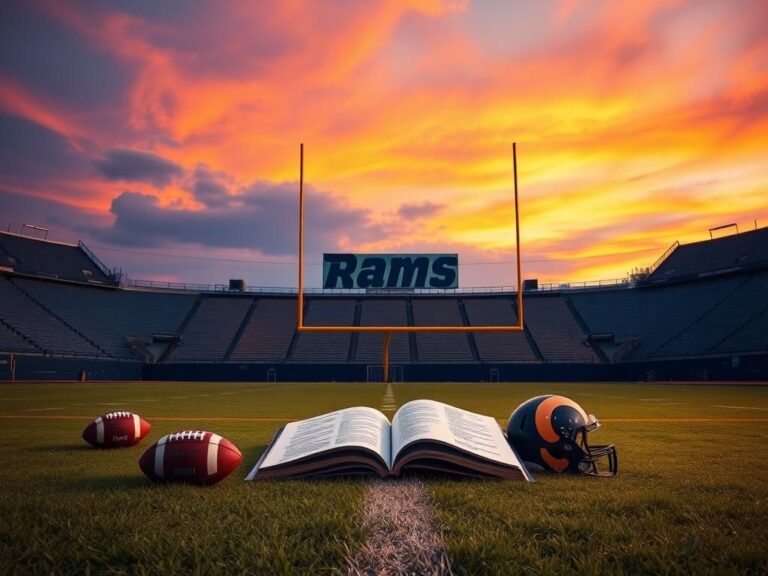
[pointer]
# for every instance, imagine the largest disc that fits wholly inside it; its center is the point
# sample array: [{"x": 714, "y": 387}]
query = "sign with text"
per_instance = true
[{"x": 390, "y": 271}]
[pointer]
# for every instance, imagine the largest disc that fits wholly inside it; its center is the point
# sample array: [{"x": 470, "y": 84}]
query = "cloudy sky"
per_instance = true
[{"x": 165, "y": 133}]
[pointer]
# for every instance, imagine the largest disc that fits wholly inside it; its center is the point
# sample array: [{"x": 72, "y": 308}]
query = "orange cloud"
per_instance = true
[{"x": 637, "y": 124}]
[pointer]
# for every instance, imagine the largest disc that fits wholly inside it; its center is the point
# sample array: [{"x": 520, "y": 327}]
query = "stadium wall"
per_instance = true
[
  {"x": 45, "y": 368},
  {"x": 756, "y": 368}
]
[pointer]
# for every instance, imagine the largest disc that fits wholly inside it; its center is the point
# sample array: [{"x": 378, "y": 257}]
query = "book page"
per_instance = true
[
  {"x": 351, "y": 427},
  {"x": 431, "y": 420}
]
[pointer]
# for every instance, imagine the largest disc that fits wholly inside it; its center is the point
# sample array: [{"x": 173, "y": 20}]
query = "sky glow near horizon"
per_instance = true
[{"x": 172, "y": 128}]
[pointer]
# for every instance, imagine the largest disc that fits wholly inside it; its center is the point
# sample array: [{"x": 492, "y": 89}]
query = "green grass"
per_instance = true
[{"x": 691, "y": 496}]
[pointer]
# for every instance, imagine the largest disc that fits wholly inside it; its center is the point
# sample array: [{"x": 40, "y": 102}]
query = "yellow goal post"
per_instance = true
[{"x": 387, "y": 331}]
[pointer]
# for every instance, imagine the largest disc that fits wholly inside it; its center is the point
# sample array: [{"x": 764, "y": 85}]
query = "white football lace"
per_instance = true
[
  {"x": 187, "y": 435},
  {"x": 119, "y": 414}
]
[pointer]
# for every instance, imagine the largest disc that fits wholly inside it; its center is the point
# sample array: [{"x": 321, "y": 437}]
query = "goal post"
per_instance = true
[{"x": 387, "y": 331}]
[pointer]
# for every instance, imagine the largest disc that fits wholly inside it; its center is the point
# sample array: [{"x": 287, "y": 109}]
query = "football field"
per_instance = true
[{"x": 691, "y": 495}]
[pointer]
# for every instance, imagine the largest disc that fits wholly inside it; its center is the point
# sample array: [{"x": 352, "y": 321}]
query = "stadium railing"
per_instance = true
[{"x": 550, "y": 287}]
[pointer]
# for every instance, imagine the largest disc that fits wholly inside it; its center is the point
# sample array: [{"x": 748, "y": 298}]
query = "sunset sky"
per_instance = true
[{"x": 165, "y": 134}]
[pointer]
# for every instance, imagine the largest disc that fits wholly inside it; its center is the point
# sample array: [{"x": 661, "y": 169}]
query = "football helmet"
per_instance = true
[{"x": 551, "y": 431}]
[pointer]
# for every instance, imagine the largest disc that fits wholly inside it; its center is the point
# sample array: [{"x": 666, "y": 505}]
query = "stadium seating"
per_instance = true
[
  {"x": 712, "y": 309},
  {"x": 744, "y": 251},
  {"x": 653, "y": 316},
  {"x": 736, "y": 307},
  {"x": 269, "y": 331},
  {"x": 210, "y": 331},
  {"x": 325, "y": 347},
  {"x": 49, "y": 259},
  {"x": 12, "y": 341},
  {"x": 440, "y": 347},
  {"x": 38, "y": 325},
  {"x": 110, "y": 316},
  {"x": 383, "y": 312},
  {"x": 556, "y": 331},
  {"x": 498, "y": 346}
]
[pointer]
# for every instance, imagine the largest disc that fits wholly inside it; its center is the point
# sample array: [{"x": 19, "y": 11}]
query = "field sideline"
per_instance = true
[{"x": 691, "y": 495}]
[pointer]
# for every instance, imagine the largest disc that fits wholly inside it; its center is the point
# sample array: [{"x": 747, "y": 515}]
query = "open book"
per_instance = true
[{"x": 424, "y": 434}]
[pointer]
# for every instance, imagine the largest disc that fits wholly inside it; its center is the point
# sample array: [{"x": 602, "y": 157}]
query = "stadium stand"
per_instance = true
[
  {"x": 109, "y": 316},
  {"x": 750, "y": 336},
  {"x": 498, "y": 346},
  {"x": 651, "y": 317},
  {"x": 708, "y": 318},
  {"x": 440, "y": 347},
  {"x": 325, "y": 347},
  {"x": 557, "y": 333},
  {"x": 208, "y": 334},
  {"x": 37, "y": 325},
  {"x": 383, "y": 312},
  {"x": 13, "y": 341},
  {"x": 743, "y": 296},
  {"x": 269, "y": 331},
  {"x": 51, "y": 259},
  {"x": 745, "y": 251}
]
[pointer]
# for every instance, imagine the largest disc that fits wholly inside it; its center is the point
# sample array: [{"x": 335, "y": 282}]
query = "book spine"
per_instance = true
[{"x": 252, "y": 474}]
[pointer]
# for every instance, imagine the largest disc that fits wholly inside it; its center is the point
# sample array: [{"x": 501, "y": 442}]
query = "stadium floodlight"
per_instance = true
[{"x": 387, "y": 331}]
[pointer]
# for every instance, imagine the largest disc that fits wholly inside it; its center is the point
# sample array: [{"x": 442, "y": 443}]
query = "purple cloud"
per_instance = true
[
  {"x": 417, "y": 210},
  {"x": 131, "y": 166}
]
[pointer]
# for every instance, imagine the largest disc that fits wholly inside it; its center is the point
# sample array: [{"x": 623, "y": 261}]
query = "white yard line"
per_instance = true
[
  {"x": 739, "y": 407},
  {"x": 652, "y": 399},
  {"x": 44, "y": 409},
  {"x": 402, "y": 535}
]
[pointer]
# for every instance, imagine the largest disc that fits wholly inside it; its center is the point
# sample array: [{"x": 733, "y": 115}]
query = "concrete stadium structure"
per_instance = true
[{"x": 701, "y": 314}]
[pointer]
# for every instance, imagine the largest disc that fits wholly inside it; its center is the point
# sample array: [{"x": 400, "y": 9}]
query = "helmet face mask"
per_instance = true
[{"x": 551, "y": 432}]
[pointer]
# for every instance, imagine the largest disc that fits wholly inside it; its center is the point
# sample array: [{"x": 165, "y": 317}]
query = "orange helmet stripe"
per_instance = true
[
  {"x": 558, "y": 464},
  {"x": 544, "y": 416}
]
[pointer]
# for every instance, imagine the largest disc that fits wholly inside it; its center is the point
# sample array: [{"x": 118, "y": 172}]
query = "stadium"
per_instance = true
[
  {"x": 699, "y": 314},
  {"x": 659, "y": 358},
  {"x": 407, "y": 368}
]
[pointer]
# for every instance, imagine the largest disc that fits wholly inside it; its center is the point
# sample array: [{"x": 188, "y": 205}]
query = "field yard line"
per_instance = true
[
  {"x": 157, "y": 418},
  {"x": 44, "y": 409},
  {"x": 739, "y": 407},
  {"x": 674, "y": 420},
  {"x": 684, "y": 420},
  {"x": 402, "y": 535}
]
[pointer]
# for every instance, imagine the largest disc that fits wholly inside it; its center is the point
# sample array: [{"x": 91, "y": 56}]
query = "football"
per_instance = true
[
  {"x": 116, "y": 430},
  {"x": 190, "y": 456}
]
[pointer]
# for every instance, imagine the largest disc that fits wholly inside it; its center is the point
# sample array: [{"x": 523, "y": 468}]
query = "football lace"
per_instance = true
[
  {"x": 113, "y": 415},
  {"x": 187, "y": 435}
]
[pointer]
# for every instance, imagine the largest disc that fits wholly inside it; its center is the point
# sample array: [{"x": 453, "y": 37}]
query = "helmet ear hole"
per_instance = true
[{"x": 522, "y": 422}]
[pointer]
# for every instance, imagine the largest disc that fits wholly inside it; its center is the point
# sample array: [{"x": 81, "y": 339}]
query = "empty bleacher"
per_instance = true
[
  {"x": 734, "y": 305},
  {"x": 209, "y": 333},
  {"x": 50, "y": 259},
  {"x": 383, "y": 312},
  {"x": 325, "y": 346},
  {"x": 744, "y": 251},
  {"x": 11, "y": 341},
  {"x": 498, "y": 346},
  {"x": 653, "y": 316},
  {"x": 557, "y": 333},
  {"x": 38, "y": 325},
  {"x": 268, "y": 334},
  {"x": 440, "y": 347},
  {"x": 109, "y": 316},
  {"x": 751, "y": 336}
]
